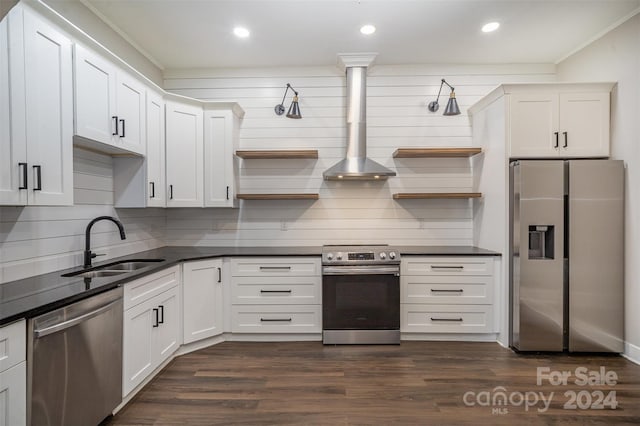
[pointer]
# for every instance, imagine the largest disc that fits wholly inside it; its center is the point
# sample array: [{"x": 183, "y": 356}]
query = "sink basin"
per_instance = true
[
  {"x": 96, "y": 274},
  {"x": 115, "y": 268},
  {"x": 126, "y": 266}
]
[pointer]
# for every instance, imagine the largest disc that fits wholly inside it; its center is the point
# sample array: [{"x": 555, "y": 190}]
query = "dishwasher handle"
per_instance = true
[{"x": 73, "y": 322}]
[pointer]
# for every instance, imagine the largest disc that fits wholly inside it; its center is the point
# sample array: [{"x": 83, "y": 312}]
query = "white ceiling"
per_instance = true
[{"x": 198, "y": 33}]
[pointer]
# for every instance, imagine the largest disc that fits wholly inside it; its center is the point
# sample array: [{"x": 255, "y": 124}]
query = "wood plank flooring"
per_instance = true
[{"x": 416, "y": 383}]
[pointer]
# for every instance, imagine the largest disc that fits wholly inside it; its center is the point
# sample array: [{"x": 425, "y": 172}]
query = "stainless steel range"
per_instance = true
[{"x": 360, "y": 295}]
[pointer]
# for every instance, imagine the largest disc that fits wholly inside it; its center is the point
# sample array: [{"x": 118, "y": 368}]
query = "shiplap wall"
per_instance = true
[
  {"x": 347, "y": 212},
  {"x": 37, "y": 240}
]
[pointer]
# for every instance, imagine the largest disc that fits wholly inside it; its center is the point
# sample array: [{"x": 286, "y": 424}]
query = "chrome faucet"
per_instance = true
[{"x": 88, "y": 255}]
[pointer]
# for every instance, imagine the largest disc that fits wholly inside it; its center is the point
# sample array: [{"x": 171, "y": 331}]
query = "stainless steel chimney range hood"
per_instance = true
[{"x": 356, "y": 165}]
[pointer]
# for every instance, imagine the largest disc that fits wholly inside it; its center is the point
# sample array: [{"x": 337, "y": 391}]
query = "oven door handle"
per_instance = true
[{"x": 365, "y": 270}]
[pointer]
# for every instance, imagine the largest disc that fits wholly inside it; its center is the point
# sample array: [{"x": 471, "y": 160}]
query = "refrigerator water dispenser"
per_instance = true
[{"x": 541, "y": 241}]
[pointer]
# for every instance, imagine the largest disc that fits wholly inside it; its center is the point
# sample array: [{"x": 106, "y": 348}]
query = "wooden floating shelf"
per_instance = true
[
  {"x": 435, "y": 152},
  {"x": 278, "y": 154},
  {"x": 434, "y": 195},
  {"x": 278, "y": 196}
]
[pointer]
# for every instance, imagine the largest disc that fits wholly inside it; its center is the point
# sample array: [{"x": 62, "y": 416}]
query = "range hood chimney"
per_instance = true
[{"x": 356, "y": 165}]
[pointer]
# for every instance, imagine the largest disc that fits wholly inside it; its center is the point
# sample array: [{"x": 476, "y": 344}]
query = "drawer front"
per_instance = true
[
  {"x": 276, "y": 290},
  {"x": 440, "y": 265},
  {"x": 275, "y": 266},
  {"x": 446, "y": 318},
  {"x": 13, "y": 344},
  {"x": 142, "y": 289},
  {"x": 448, "y": 290},
  {"x": 276, "y": 319}
]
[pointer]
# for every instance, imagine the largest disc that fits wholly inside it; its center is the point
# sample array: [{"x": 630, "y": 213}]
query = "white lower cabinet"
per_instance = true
[
  {"x": 202, "y": 299},
  {"x": 13, "y": 374},
  {"x": 276, "y": 295},
  {"x": 447, "y": 294},
  {"x": 152, "y": 322}
]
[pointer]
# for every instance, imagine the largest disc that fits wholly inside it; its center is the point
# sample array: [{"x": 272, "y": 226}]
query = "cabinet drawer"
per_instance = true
[
  {"x": 276, "y": 319},
  {"x": 446, "y": 318},
  {"x": 276, "y": 290},
  {"x": 440, "y": 265},
  {"x": 137, "y": 291},
  {"x": 275, "y": 266},
  {"x": 447, "y": 290},
  {"x": 13, "y": 346}
]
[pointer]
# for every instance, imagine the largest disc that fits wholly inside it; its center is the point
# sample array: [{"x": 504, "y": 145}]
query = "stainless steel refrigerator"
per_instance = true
[{"x": 567, "y": 255}]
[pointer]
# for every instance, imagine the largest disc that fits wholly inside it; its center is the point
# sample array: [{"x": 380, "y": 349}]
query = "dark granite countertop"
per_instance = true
[{"x": 29, "y": 297}]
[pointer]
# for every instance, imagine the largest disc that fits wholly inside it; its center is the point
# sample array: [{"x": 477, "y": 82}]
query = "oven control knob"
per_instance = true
[
  {"x": 383, "y": 255},
  {"x": 392, "y": 255},
  {"x": 329, "y": 256},
  {"x": 339, "y": 256}
]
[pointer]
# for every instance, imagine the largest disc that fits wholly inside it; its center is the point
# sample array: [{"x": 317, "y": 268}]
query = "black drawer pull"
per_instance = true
[
  {"x": 275, "y": 291},
  {"x": 457, "y": 268},
  {"x": 441, "y": 290},
  {"x": 24, "y": 176},
  {"x": 275, "y": 319},
  {"x": 447, "y": 319},
  {"x": 275, "y": 268}
]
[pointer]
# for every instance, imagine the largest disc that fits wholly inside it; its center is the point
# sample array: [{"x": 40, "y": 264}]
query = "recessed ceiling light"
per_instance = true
[
  {"x": 367, "y": 29},
  {"x": 491, "y": 26},
  {"x": 241, "y": 32}
]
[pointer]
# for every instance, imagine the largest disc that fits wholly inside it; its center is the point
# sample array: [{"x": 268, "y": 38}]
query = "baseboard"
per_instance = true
[
  {"x": 632, "y": 353},
  {"x": 445, "y": 337},
  {"x": 272, "y": 337}
]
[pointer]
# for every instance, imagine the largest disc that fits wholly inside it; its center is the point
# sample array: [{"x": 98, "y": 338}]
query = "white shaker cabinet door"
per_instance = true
[
  {"x": 49, "y": 112},
  {"x": 130, "y": 101},
  {"x": 584, "y": 124},
  {"x": 184, "y": 139},
  {"x": 533, "y": 124},
  {"x": 156, "y": 188},
  {"x": 202, "y": 299},
  {"x": 95, "y": 95}
]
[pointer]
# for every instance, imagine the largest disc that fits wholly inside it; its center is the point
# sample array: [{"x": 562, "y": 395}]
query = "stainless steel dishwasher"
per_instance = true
[{"x": 74, "y": 358}]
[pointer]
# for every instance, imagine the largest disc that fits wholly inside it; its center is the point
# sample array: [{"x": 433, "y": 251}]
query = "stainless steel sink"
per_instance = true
[
  {"x": 115, "y": 268},
  {"x": 96, "y": 274}
]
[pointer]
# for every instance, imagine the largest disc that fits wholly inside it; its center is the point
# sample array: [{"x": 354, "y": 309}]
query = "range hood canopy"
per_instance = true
[{"x": 356, "y": 165}]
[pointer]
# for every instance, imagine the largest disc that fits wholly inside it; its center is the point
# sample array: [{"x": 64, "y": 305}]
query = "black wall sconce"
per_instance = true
[
  {"x": 294, "y": 109},
  {"x": 452, "y": 105}
]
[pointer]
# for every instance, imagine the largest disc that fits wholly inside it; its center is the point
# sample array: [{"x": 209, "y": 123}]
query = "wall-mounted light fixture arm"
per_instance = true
[
  {"x": 452, "y": 105},
  {"x": 294, "y": 109}
]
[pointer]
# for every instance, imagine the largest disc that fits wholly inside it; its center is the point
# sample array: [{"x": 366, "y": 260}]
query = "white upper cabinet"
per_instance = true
[
  {"x": 184, "y": 153},
  {"x": 110, "y": 104},
  {"x": 37, "y": 127},
  {"x": 558, "y": 121},
  {"x": 221, "y": 129},
  {"x": 156, "y": 188}
]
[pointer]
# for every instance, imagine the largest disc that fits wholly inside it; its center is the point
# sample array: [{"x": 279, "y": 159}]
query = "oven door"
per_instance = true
[{"x": 361, "y": 298}]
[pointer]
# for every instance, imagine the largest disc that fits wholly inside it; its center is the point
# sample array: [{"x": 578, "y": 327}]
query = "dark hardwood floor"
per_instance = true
[{"x": 417, "y": 383}]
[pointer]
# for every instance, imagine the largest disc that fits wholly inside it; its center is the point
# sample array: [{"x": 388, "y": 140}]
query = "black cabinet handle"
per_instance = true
[
  {"x": 161, "y": 309},
  {"x": 153, "y": 190},
  {"x": 155, "y": 313},
  {"x": 275, "y": 291},
  {"x": 557, "y": 139},
  {"x": 38, "y": 171},
  {"x": 447, "y": 319},
  {"x": 566, "y": 140},
  {"x": 115, "y": 119},
  {"x": 24, "y": 176},
  {"x": 122, "y": 122},
  {"x": 275, "y": 319},
  {"x": 227, "y": 192},
  {"x": 171, "y": 192},
  {"x": 439, "y": 290},
  {"x": 219, "y": 275}
]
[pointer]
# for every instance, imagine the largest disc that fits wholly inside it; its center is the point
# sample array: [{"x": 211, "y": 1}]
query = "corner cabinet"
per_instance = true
[
  {"x": 36, "y": 98},
  {"x": 558, "y": 120},
  {"x": 202, "y": 299},
  {"x": 221, "y": 133},
  {"x": 110, "y": 105},
  {"x": 184, "y": 153}
]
